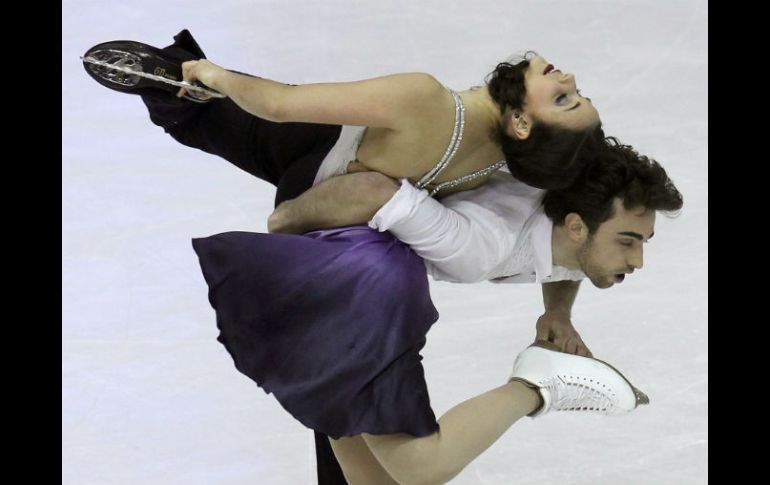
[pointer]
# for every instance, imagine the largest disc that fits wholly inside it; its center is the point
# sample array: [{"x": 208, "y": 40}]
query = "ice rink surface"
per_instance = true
[{"x": 150, "y": 397}]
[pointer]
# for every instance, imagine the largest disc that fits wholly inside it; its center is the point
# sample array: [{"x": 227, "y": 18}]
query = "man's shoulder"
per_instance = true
[
  {"x": 499, "y": 184},
  {"x": 503, "y": 195}
]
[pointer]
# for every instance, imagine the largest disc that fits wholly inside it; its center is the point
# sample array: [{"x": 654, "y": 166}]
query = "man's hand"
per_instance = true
[
  {"x": 556, "y": 327},
  {"x": 283, "y": 221}
]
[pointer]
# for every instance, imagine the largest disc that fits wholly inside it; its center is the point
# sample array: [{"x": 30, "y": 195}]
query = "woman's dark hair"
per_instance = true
[
  {"x": 547, "y": 158},
  {"x": 613, "y": 170}
]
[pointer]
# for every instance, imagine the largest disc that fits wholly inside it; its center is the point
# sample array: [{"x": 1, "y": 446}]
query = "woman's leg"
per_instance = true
[
  {"x": 466, "y": 431},
  {"x": 358, "y": 463}
]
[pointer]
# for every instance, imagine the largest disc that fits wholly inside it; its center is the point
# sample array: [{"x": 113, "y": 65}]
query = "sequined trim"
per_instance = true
[
  {"x": 454, "y": 145},
  {"x": 468, "y": 178}
]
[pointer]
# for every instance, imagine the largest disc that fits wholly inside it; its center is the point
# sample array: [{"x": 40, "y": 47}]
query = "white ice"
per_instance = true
[{"x": 149, "y": 396}]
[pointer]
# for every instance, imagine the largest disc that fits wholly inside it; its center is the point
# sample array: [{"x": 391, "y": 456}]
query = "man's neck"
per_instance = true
[{"x": 563, "y": 249}]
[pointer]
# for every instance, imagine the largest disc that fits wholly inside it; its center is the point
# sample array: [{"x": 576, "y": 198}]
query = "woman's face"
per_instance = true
[{"x": 552, "y": 97}]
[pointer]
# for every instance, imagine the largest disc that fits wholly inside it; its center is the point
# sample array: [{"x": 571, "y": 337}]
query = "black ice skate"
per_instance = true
[{"x": 135, "y": 68}]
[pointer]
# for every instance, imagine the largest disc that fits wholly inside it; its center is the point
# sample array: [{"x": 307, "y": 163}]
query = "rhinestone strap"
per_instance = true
[
  {"x": 467, "y": 178},
  {"x": 454, "y": 144}
]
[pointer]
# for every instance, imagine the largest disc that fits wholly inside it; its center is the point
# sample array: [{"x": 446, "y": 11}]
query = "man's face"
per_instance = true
[{"x": 615, "y": 249}]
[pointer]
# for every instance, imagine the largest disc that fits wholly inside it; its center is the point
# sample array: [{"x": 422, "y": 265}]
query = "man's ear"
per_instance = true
[
  {"x": 576, "y": 228},
  {"x": 519, "y": 125}
]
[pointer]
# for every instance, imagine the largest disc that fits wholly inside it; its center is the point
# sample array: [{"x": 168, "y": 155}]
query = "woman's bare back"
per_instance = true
[{"x": 415, "y": 149}]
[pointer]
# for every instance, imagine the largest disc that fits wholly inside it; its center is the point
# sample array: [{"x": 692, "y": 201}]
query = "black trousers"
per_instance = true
[{"x": 287, "y": 155}]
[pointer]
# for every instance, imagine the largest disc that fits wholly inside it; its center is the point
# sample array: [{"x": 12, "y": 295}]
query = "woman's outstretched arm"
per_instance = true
[{"x": 392, "y": 101}]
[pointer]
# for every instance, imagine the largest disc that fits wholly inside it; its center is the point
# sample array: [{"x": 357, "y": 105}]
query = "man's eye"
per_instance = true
[
  {"x": 627, "y": 243},
  {"x": 561, "y": 99}
]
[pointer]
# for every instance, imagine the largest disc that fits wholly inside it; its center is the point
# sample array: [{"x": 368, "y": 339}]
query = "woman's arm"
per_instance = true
[{"x": 388, "y": 102}]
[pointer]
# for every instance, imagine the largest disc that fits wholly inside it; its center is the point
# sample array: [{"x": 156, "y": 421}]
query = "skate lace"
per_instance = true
[{"x": 576, "y": 393}]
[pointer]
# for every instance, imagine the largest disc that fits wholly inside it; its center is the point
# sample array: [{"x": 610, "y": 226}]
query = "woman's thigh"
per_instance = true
[{"x": 358, "y": 463}]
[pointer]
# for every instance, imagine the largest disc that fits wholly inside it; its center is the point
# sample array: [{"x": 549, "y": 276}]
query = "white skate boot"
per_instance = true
[{"x": 569, "y": 382}]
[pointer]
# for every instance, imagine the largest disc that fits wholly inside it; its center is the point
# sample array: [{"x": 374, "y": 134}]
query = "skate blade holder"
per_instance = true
[{"x": 193, "y": 88}]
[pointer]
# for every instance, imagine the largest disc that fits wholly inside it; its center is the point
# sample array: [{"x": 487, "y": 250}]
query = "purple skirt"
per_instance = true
[{"x": 330, "y": 322}]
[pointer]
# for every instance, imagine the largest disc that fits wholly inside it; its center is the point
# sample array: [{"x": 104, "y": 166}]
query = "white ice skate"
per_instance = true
[{"x": 569, "y": 382}]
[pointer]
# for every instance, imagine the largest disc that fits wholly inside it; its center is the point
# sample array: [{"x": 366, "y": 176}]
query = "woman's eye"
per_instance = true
[{"x": 561, "y": 99}]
